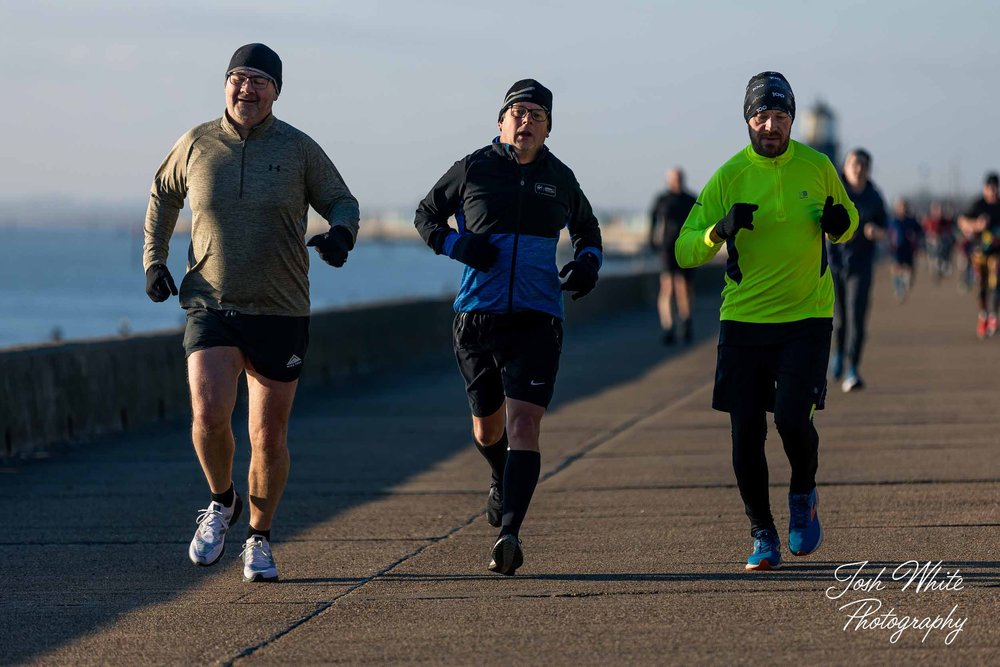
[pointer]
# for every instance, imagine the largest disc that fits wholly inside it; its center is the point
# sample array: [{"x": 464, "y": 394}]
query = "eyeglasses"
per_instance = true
[
  {"x": 537, "y": 115},
  {"x": 237, "y": 79}
]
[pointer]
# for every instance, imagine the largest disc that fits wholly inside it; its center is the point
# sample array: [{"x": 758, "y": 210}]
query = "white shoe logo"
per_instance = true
[{"x": 293, "y": 362}]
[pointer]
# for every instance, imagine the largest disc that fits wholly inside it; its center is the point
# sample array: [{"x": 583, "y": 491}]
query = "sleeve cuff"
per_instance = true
[
  {"x": 449, "y": 243},
  {"x": 598, "y": 255},
  {"x": 708, "y": 239}
]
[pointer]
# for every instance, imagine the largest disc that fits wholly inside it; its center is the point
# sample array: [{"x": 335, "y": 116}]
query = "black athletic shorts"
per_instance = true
[
  {"x": 514, "y": 356},
  {"x": 668, "y": 263},
  {"x": 755, "y": 360},
  {"x": 274, "y": 344}
]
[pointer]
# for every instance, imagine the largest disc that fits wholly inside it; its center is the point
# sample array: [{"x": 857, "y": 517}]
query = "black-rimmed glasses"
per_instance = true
[
  {"x": 537, "y": 115},
  {"x": 237, "y": 79}
]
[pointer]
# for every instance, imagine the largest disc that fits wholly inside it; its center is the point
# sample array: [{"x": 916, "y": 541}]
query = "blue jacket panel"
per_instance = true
[{"x": 523, "y": 209}]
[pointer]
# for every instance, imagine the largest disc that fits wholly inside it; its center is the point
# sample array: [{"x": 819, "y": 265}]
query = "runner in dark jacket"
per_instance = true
[{"x": 510, "y": 201}]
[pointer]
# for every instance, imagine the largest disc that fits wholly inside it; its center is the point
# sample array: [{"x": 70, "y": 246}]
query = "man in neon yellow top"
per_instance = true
[{"x": 772, "y": 204}]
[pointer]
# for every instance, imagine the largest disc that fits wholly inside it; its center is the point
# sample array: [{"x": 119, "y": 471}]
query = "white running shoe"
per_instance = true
[
  {"x": 258, "y": 563},
  {"x": 209, "y": 542}
]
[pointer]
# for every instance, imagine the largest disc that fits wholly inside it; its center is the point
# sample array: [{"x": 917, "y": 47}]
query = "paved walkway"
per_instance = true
[{"x": 634, "y": 545}]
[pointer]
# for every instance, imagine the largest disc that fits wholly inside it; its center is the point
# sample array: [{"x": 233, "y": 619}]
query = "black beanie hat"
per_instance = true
[
  {"x": 528, "y": 90},
  {"x": 768, "y": 91},
  {"x": 260, "y": 58}
]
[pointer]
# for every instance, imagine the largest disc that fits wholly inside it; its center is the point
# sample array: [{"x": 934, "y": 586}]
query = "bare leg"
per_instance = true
[
  {"x": 663, "y": 301},
  {"x": 270, "y": 409},
  {"x": 488, "y": 430},
  {"x": 684, "y": 294},
  {"x": 524, "y": 422},
  {"x": 212, "y": 377}
]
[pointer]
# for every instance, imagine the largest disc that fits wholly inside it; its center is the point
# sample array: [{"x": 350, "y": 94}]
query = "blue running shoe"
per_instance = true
[
  {"x": 804, "y": 532},
  {"x": 766, "y": 551}
]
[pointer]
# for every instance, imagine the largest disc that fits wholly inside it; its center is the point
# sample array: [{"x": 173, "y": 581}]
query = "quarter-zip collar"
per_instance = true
[
  {"x": 257, "y": 130},
  {"x": 507, "y": 151},
  {"x": 772, "y": 162}
]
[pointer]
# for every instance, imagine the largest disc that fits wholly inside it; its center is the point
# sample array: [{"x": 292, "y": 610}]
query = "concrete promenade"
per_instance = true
[{"x": 634, "y": 545}]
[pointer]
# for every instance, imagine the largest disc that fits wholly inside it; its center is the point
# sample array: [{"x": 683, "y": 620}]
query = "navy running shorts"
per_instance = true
[
  {"x": 275, "y": 345},
  {"x": 759, "y": 363},
  {"x": 507, "y": 356}
]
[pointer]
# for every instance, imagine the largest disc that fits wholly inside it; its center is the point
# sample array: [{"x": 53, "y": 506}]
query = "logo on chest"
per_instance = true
[
  {"x": 274, "y": 167},
  {"x": 545, "y": 190}
]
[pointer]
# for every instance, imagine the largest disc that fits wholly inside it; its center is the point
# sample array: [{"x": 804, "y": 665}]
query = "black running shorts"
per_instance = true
[
  {"x": 275, "y": 345},
  {"x": 513, "y": 356},
  {"x": 668, "y": 264},
  {"x": 758, "y": 363}
]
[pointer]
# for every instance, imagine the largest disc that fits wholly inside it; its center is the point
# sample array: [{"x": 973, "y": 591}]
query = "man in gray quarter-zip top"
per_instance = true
[{"x": 250, "y": 180}]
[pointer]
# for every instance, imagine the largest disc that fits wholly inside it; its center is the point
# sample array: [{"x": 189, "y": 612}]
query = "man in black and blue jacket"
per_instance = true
[{"x": 510, "y": 201}]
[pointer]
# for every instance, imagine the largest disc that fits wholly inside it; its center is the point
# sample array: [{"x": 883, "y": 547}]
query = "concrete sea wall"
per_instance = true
[{"x": 78, "y": 391}]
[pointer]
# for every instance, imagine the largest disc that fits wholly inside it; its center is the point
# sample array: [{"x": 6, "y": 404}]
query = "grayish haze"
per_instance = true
[{"x": 98, "y": 92}]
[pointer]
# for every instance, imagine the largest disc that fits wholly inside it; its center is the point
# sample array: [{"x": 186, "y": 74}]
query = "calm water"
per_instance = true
[{"x": 85, "y": 283}]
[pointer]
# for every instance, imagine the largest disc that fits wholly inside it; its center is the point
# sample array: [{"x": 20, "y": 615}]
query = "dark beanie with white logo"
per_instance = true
[
  {"x": 768, "y": 91},
  {"x": 528, "y": 90},
  {"x": 260, "y": 59}
]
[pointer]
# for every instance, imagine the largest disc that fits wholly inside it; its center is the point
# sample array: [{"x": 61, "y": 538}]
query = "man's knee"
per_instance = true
[
  {"x": 793, "y": 423},
  {"x": 487, "y": 432},
  {"x": 524, "y": 427},
  {"x": 210, "y": 416}
]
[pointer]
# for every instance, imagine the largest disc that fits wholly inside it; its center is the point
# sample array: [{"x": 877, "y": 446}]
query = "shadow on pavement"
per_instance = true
[{"x": 110, "y": 521}]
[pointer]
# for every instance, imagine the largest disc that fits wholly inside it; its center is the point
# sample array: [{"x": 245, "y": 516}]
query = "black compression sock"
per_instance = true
[
  {"x": 226, "y": 498},
  {"x": 496, "y": 456},
  {"x": 519, "y": 481},
  {"x": 251, "y": 531}
]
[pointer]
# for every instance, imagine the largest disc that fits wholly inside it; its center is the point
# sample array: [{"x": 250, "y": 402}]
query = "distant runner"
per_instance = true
[{"x": 669, "y": 212}]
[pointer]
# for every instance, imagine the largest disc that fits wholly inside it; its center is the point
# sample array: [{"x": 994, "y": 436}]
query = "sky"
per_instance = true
[{"x": 395, "y": 91}]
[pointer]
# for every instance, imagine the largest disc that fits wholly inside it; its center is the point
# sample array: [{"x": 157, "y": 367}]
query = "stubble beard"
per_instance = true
[{"x": 766, "y": 151}]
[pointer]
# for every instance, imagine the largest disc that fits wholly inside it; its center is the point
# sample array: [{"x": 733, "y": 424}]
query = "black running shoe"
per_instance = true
[
  {"x": 494, "y": 505},
  {"x": 507, "y": 555}
]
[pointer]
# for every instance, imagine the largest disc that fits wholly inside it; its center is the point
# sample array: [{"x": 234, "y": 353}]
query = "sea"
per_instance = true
[{"x": 64, "y": 284}]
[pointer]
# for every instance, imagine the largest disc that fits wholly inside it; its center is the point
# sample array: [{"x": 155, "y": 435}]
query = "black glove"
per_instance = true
[
  {"x": 475, "y": 250},
  {"x": 835, "y": 219},
  {"x": 740, "y": 216},
  {"x": 582, "y": 275},
  {"x": 333, "y": 246},
  {"x": 159, "y": 283}
]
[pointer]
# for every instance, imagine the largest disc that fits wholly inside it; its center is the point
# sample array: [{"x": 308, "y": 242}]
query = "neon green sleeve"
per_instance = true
[{"x": 694, "y": 246}]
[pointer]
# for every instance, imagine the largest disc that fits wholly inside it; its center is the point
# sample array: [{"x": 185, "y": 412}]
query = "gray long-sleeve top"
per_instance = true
[{"x": 249, "y": 204}]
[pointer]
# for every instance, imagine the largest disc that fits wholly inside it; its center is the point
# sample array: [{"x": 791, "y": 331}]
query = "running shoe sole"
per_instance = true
[
  {"x": 763, "y": 566},
  {"x": 260, "y": 578},
  {"x": 507, "y": 556}
]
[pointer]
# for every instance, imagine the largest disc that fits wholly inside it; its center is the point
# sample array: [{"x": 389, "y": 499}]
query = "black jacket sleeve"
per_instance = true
[
  {"x": 584, "y": 231},
  {"x": 441, "y": 203}
]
